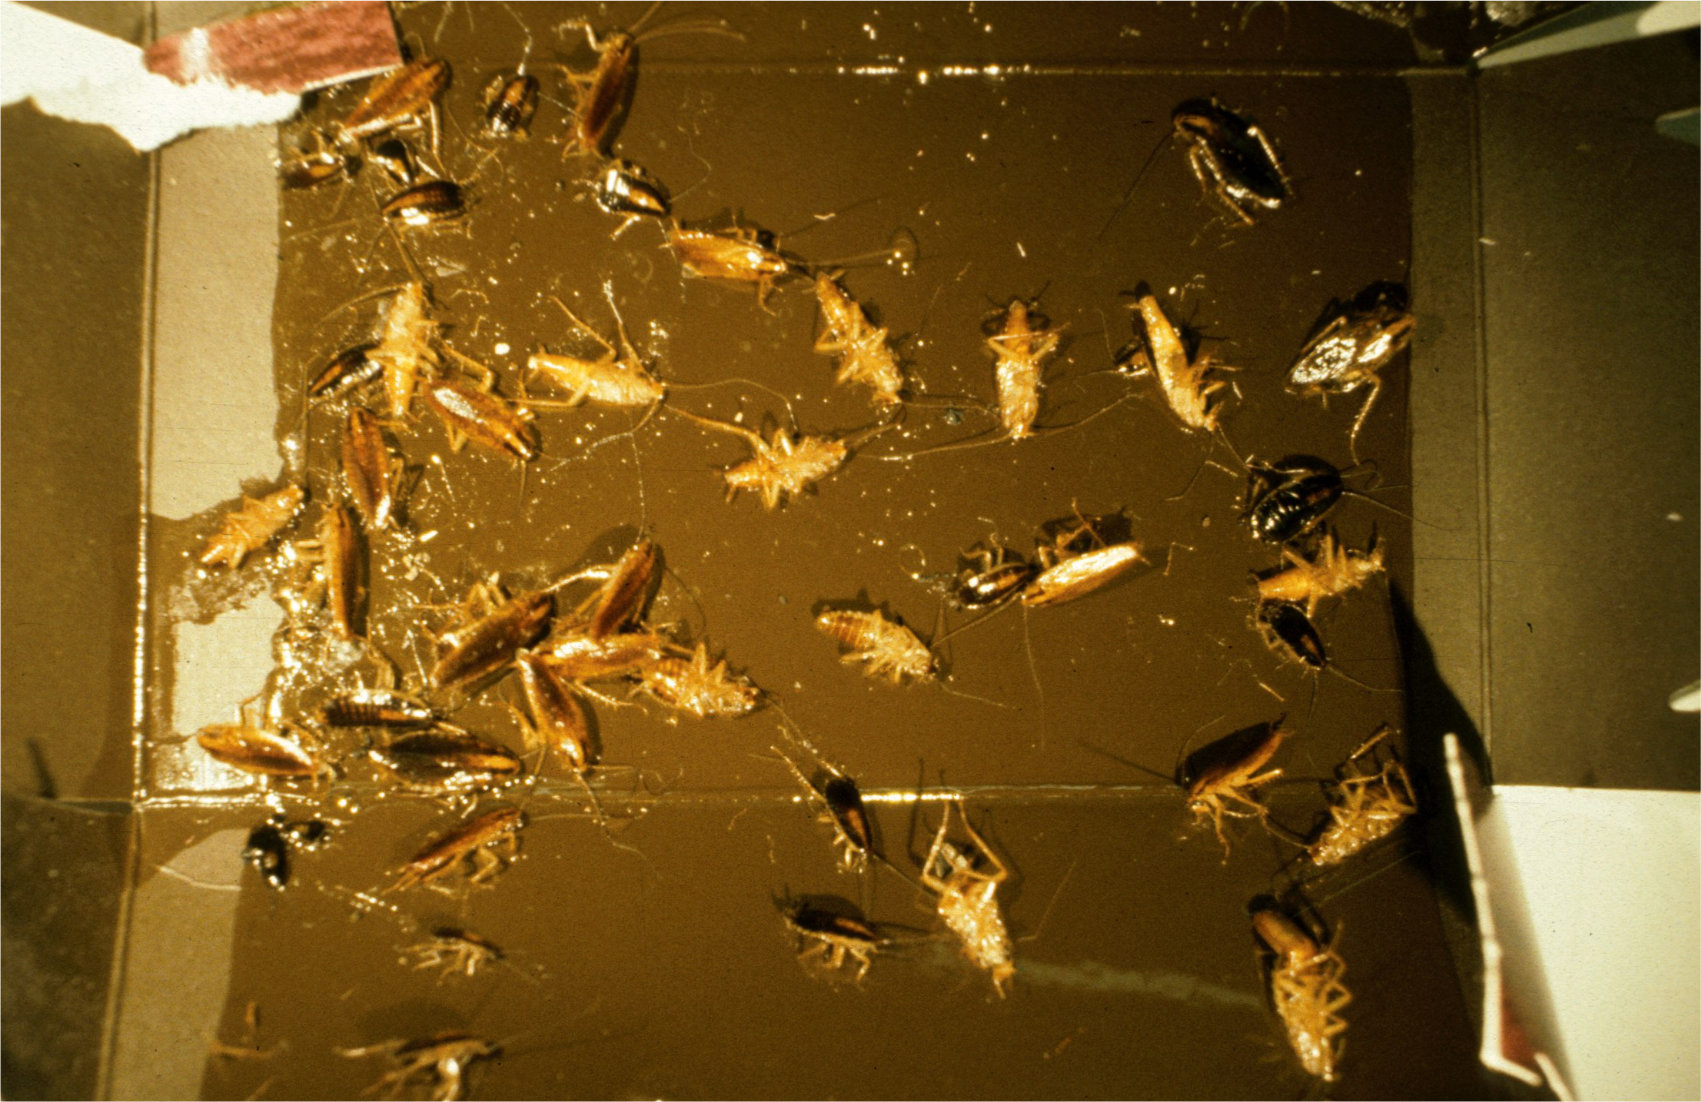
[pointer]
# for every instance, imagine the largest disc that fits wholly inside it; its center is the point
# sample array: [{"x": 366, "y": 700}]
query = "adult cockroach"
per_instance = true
[
  {"x": 478, "y": 415},
  {"x": 474, "y": 840},
  {"x": 489, "y": 642},
  {"x": 1231, "y": 778},
  {"x": 341, "y": 556},
  {"x": 345, "y": 371},
  {"x": 430, "y": 203},
  {"x": 405, "y": 351},
  {"x": 396, "y": 100},
  {"x": 616, "y": 379},
  {"x": 251, "y": 526},
  {"x": 509, "y": 104},
  {"x": 786, "y": 464},
  {"x": 620, "y": 600},
  {"x": 1351, "y": 349},
  {"x": 446, "y": 761},
  {"x": 263, "y": 751},
  {"x": 1020, "y": 345},
  {"x": 1068, "y": 571},
  {"x": 968, "y": 900},
  {"x": 885, "y": 647},
  {"x": 436, "y": 1067},
  {"x": 841, "y": 805},
  {"x": 378, "y": 707},
  {"x": 1307, "y": 990},
  {"x": 833, "y": 940},
  {"x": 558, "y": 722},
  {"x": 453, "y": 951},
  {"x": 373, "y": 476},
  {"x": 575, "y": 656},
  {"x": 694, "y": 686},
  {"x": 865, "y": 354},
  {"x": 741, "y": 255},
  {"x": 1234, "y": 160},
  {"x": 1332, "y": 572},
  {"x": 1186, "y": 381},
  {"x": 1366, "y": 804}
]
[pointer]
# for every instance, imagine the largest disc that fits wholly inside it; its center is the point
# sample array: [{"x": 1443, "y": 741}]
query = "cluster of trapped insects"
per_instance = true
[{"x": 585, "y": 635}]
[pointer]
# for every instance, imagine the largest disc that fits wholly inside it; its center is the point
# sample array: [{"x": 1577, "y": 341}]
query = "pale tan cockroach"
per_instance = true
[
  {"x": 886, "y": 648},
  {"x": 832, "y": 940},
  {"x": 257, "y": 744},
  {"x": 1067, "y": 571},
  {"x": 1186, "y": 381},
  {"x": 405, "y": 349},
  {"x": 968, "y": 899},
  {"x": 1231, "y": 779},
  {"x": 341, "y": 557},
  {"x": 398, "y": 100},
  {"x": 575, "y": 656},
  {"x": 489, "y": 640},
  {"x": 1366, "y": 804},
  {"x": 251, "y": 526},
  {"x": 696, "y": 687},
  {"x": 865, "y": 354},
  {"x": 736, "y": 256},
  {"x": 558, "y": 721},
  {"x": 1333, "y": 572},
  {"x": 1307, "y": 990},
  {"x": 436, "y": 1067},
  {"x": 475, "y": 840},
  {"x": 616, "y": 379},
  {"x": 372, "y": 474},
  {"x": 1020, "y": 345},
  {"x": 452, "y": 952},
  {"x": 788, "y": 463},
  {"x": 485, "y": 418}
]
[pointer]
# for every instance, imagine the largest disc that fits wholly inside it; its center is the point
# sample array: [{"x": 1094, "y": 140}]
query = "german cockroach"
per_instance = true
[
  {"x": 742, "y": 255},
  {"x": 833, "y": 940},
  {"x": 341, "y": 556},
  {"x": 509, "y": 104},
  {"x": 320, "y": 165},
  {"x": 1070, "y": 566},
  {"x": 615, "y": 379},
  {"x": 434, "y": 1068},
  {"x": 1020, "y": 345},
  {"x": 558, "y": 720},
  {"x": 252, "y": 526},
  {"x": 841, "y": 805},
  {"x": 1332, "y": 572},
  {"x": 1307, "y": 990},
  {"x": 397, "y": 100},
  {"x": 268, "y": 846},
  {"x": 478, "y": 415},
  {"x": 694, "y": 686},
  {"x": 446, "y": 761},
  {"x": 489, "y": 642},
  {"x": 1288, "y": 499},
  {"x": 968, "y": 899},
  {"x": 886, "y": 648},
  {"x": 574, "y": 655},
  {"x": 990, "y": 574},
  {"x": 426, "y": 204},
  {"x": 394, "y": 159},
  {"x": 865, "y": 354},
  {"x": 1288, "y": 631},
  {"x": 1186, "y": 381},
  {"x": 345, "y": 371},
  {"x": 404, "y": 351},
  {"x": 786, "y": 464},
  {"x": 474, "y": 840},
  {"x": 619, "y": 602},
  {"x": 1351, "y": 349},
  {"x": 625, "y": 188},
  {"x": 253, "y": 749},
  {"x": 1233, "y": 159},
  {"x": 1366, "y": 803},
  {"x": 452, "y": 951},
  {"x": 373, "y": 476},
  {"x": 1231, "y": 773},
  {"x": 377, "y": 708}
]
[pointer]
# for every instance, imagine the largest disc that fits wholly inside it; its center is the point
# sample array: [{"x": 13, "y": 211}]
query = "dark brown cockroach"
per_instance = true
[
  {"x": 474, "y": 840},
  {"x": 1332, "y": 572},
  {"x": 1307, "y": 990},
  {"x": 394, "y": 159},
  {"x": 490, "y": 642},
  {"x": 446, "y": 761},
  {"x": 509, "y": 104},
  {"x": 341, "y": 555},
  {"x": 1070, "y": 566},
  {"x": 841, "y": 805},
  {"x": 269, "y": 844},
  {"x": 620, "y": 600},
  {"x": 1288, "y": 631},
  {"x": 453, "y": 951},
  {"x": 1367, "y": 802},
  {"x": 625, "y": 188},
  {"x": 1020, "y": 344},
  {"x": 741, "y": 255},
  {"x": 400, "y": 99},
  {"x": 865, "y": 354},
  {"x": 436, "y": 1067},
  {"x": 696, "y": 687},
  {"x": 558, "y": 719},
  {"x": 427, "y": 204},
  {"x": 832, "y": 940},
  {"x": 484, "y": 418},
  {"x": 377, "y": 708},
  {"x": 575, "y": 656},
  {"x": 990, "y": 575},
  {"x": 1351, "y": 349},
  {"x": 1288, "y": 499},
  {"x": 252, "y": 526},
  {"x": 309, "y": 168},
  {"x": 1186, "y": 381},
  {"x": 615, "y": 379},
  {"x": 348, "y": 369},
  {"x": 885, "y": 648},
  {"x": 372, "y": 475},
  {"x": 968, "y": 900},
  {"x": 1233, "y": 159},
  {"x": 1232, "y": 778},
  {"x": 266, "y": 752}
]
